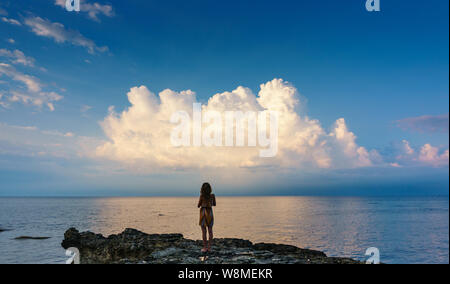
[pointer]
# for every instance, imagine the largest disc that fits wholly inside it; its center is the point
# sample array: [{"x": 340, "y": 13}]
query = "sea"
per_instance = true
[{"x": 403, "y": 229}]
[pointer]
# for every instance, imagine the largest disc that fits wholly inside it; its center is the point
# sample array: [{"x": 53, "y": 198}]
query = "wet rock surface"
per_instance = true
[{"x": 135, "y": 247}]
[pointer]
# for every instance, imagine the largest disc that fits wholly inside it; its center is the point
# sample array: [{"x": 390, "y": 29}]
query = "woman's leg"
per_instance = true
[
  {"x": 211, "y": 236},
  {"x": 204, "y": 237}
]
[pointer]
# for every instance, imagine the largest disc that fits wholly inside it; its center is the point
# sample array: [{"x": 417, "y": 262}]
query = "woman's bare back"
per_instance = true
[{"x": 202, "y": 202}]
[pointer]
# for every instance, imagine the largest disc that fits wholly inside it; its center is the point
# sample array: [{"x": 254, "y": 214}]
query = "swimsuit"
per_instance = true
[{"x": 206, "y": 217}]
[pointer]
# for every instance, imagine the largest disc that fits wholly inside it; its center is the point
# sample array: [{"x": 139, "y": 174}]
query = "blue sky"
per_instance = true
[{"x": 385, "y": 72}]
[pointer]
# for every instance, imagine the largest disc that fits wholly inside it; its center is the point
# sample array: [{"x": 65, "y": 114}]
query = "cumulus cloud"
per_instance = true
[
  {"x": 140, "y": 135},
  {"x": 430, "y": 155},
  {"x": 57, "y": 32},
  {"x": 10, "y": 21},
  {"x": 17, "y": 57},
  {"x": 93, "y": 10},
  {"x": 426, "y": 123},
  {"x": 426, "y": 155},
  {"x": 33, "y": 95}
]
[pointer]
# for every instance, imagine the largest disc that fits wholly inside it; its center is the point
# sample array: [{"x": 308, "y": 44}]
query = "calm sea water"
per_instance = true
[{"x": 405, "y": 230}]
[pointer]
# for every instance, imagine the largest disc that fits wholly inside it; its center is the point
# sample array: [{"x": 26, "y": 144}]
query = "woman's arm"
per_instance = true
[
  {"x": 199, "y": 202},
  {"x": 213, "y": 196}
]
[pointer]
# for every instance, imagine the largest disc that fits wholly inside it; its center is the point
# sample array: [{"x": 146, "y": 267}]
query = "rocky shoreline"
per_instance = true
[{"x": 135, "y": 247}]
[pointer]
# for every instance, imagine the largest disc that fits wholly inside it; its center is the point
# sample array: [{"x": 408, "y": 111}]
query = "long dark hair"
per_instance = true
[{"x": 206, "y": 191}]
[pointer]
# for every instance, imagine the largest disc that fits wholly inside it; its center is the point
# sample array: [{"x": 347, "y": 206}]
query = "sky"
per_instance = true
[{"x": 86, "y": 97}]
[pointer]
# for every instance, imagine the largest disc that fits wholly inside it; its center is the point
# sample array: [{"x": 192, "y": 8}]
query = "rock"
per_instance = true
[
  {"x": 135, "y": 247},
  {"x": 165, "y": 253},
  {"x": 71, "y": 238},
  {"x": 31, "y": 238}
]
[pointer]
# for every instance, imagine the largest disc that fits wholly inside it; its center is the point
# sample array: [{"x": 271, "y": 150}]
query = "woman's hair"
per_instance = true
[{"x": 205, "y": 192}]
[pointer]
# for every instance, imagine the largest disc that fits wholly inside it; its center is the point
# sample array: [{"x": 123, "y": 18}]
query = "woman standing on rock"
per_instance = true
[{"x": 206, "y": 202}]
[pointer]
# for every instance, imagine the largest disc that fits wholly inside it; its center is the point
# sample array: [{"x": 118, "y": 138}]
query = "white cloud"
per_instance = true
[
  {"x": 407, "y": 147},
  {"x": 33, "y": 95},
  {"x": 11, "y": 21},
  {"x": 430, "y": 155},
  {"x": 39, "y": 99},
  {"x": 92, "y": 9},
  {"x": 140, "y": 135},
  {"x": 17, "y": 57},
  {"x": 31, "y": 82},
  {"x": 57, "y": 32},
  {"x": 58, "y": 133},
  {"x": 426, "y": 155},
  {"x": 395, "y": 165},
  {"x": 355, "y": 155},
  {"x": 11, "y": 40}
]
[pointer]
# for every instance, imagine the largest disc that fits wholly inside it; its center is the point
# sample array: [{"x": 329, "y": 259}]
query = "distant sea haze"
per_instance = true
[{"x": 404, "y": 229}]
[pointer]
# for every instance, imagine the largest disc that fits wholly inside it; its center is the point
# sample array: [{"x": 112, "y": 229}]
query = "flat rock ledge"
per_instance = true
[{"x": 135, "y": 247}]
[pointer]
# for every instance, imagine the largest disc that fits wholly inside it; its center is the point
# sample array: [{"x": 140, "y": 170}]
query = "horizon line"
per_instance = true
[{"x": 225, "y": 195}]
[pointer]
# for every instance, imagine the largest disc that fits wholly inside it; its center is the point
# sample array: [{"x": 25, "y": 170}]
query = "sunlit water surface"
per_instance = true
[{"x": 405, "y": 230}]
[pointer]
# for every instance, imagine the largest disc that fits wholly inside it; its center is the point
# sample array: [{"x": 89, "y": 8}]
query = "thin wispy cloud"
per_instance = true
[
  {"x": 57, "y": 32},
  {"x": 2, "y": 102},
  {"x": 17, "y": 57},
  {"x": 426, "y": 123},
  {"x": 11, "y": 21},
  {"x": 84, "y": 110},
  {"x": 31, "y": 82},
  {"x": 37, "y": 99},
  {"x": 31, "y": 141},
  {"x": 93, "y": 10},
  {"x": 32, "y": 94}
]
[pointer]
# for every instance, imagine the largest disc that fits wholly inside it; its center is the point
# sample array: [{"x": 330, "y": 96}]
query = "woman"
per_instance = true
[{"x": 206, "y": 202}]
